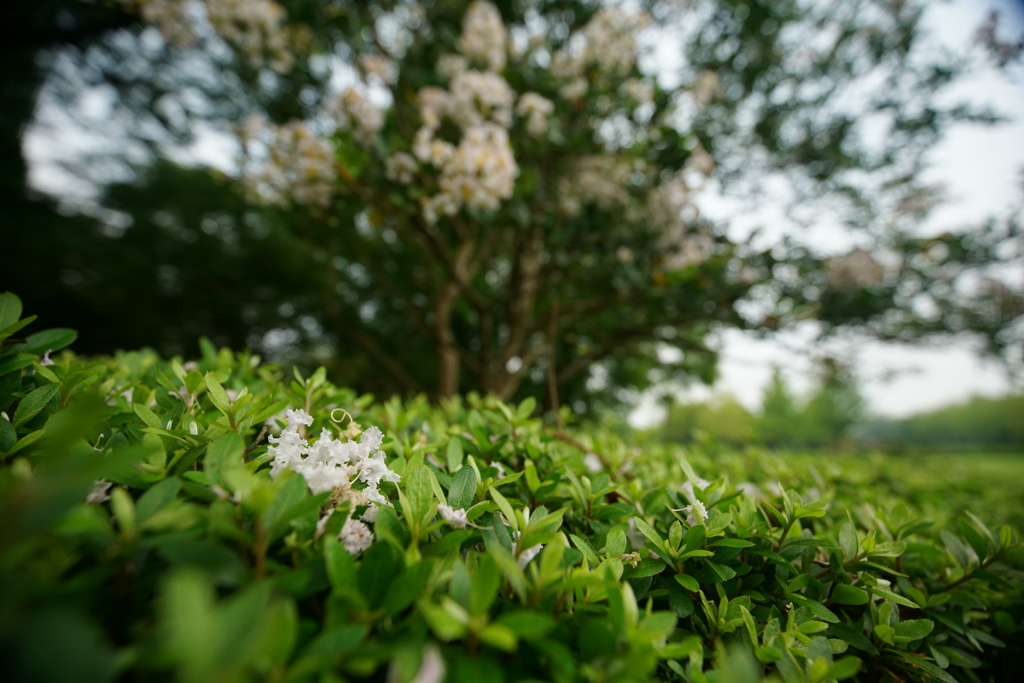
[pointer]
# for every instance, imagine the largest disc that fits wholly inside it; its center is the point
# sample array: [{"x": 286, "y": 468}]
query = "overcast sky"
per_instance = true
[{"x": 980, "y": 168}]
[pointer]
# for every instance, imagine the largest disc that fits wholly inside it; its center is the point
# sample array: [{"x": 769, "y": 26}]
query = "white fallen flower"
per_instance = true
[
  {"x": 355, "y": 536},
  {"x": 457, "y": 518},
  {"x": 593, "y": 463},
  {"x": 98, "y": 493}
]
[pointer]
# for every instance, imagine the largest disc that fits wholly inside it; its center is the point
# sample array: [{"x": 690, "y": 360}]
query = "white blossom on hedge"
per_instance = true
[{"x": 329, "y": 464}]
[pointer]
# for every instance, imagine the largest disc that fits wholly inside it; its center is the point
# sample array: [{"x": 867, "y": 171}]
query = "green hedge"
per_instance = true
[{"x": 164, "y": 520}]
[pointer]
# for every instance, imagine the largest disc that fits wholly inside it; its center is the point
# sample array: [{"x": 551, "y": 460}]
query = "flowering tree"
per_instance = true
[{"x": 503, "y": 197}]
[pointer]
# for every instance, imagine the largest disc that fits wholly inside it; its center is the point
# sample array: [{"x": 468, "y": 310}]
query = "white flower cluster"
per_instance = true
[
  {"x": 855, "y": 270},
  {"x": 477, "y": 97},
  {"x": 536, "y": 109},
  {"x": 483, "y": 35},
  {"x": 401, "y": 167},
  {"x": 457, "y": 518},
  {"x": 296, "y": 165},
  {"x": 696, "y": 512},
  {"x": 255, "y": 26},
  {"x": 379, "y": 67},
  {"x": 334, "y": 465},
  {"x": 599, "y": 179},
  {"x": 353, "y": 109},
  {"x": 609, "y": 41},
  {"x": 170, "y": 17},
  {"x": 479, "y": 171}
]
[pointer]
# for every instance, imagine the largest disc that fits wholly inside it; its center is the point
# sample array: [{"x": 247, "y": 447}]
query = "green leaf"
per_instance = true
[
  {"x": 526, "y": 408},
  {"x": 485, "y": 585},
  {"x": 844, "y": 594},
  {"x": 419, "y": 492},
  {"x": 10, "y": 309},
  {"x": 407, "y": 587},
  {"x": 217, "y": 394},
  {"x": 898, "y": 599},
  {"x": 462, "y": 492},
  {"x": 695, "y": 536},
  {"x": 527, "y": 624},
  {"x": 615, "y": 543},
  {"x": 847, "y": 667},
  {"x": 687, "y": 582},
  {"x": 714, "y": 573},
  {"x": 889, "y": 549},
  {"x": 853, "y": 635},
  {"x": 956, "y": 548},
  {"x": 292, "y": 491},
  {"x": 156, "y": 499},
  {"x": 585, "y": 548},
  {"x": 848, "y": 541},
  {"x": 974, "y": 539},
  {"x": 222, "y": 456},
  {"x": 730, "y": 543},
  {"x": 505, "y": 508},
  {"x": 499, "y": 637},
  {"x": 650, "y": 533},
  {"x": 913, "y": 629},
  {"x": 648, "y": 566},
  {"x": 341, "y": 569},
  {"x": 16, "y": 362},
  {"x": 47, "y": 340},
  {"x": 454, "y": 454},
  {"x": 8, "y": 437},
  {"x": 34, "y": 402},
  {"x": 147, "y": 415}
]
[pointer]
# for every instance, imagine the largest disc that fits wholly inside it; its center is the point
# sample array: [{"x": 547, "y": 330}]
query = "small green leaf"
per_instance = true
[
  {"x": 341, "y": 569},
  {"x": 687, "y": 582},
  {"x": 222, "y": 456},
  {"x": 974, "y": 539},
  {"x": 156, "y": 499},
  {"x": 615, "y": 543},
  {"x": 898, "y": 599},
  {"x": 217, "y": 394},
  {"x": 650, "y": 533},
  {"x": 847, "y": 667},
  {"x": 585, "y": 548},
  {"x": 463, "y": 489},
  {"x": 34, "y": 402},
  {"x": 844, "y": 594},
  {"x": 10, "y": 309},
  {"x": 454, "y": 454},
  {"x": 147, "y": 415},
  {"x": 913, "y": 629},
  {"x": 648, "y": 566}
]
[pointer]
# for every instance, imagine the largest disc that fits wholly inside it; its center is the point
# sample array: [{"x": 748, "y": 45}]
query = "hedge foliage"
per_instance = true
[{"x": 585, "y": 556}]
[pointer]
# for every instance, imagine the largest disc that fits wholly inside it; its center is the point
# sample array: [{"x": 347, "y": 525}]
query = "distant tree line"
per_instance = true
[
  {"x": 823, "y": 419},
  {"x": 833, "y": 415},
  {"x": 990, "y": 423}
]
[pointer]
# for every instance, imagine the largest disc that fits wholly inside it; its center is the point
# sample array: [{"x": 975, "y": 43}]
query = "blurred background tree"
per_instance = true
[{"x": 378, "y": 222}]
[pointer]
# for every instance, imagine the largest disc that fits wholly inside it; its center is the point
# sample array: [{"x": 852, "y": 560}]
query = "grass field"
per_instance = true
[{"x": 988, "y": 484}]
